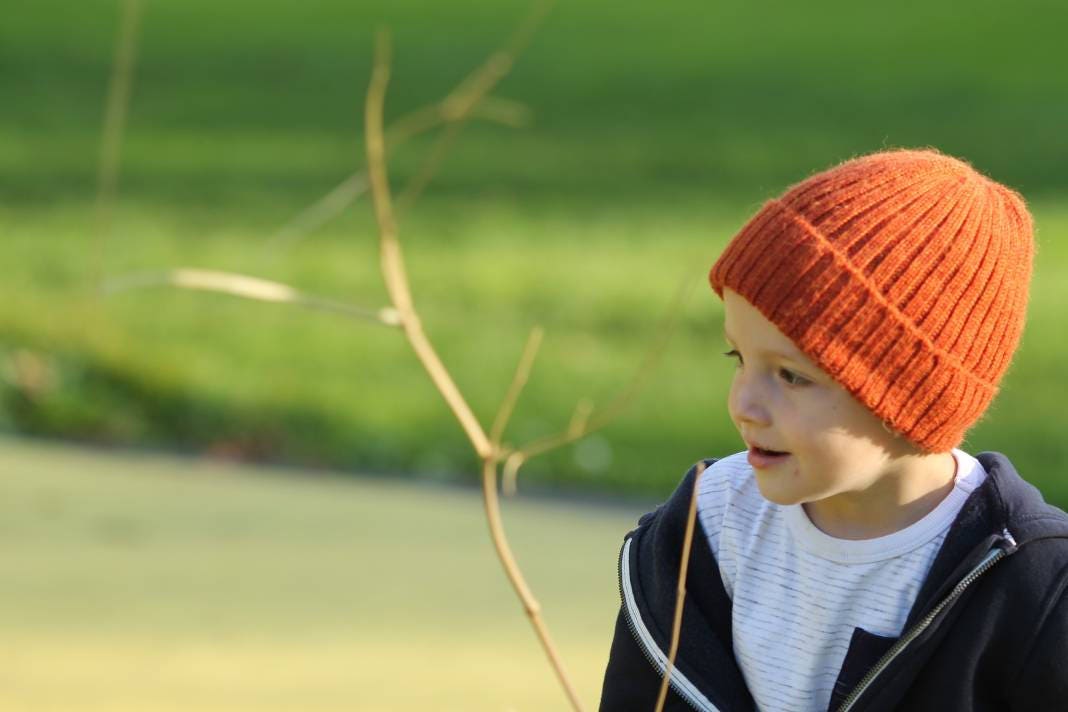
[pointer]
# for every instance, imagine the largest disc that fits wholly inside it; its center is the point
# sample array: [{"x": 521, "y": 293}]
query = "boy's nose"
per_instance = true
[{"x": 746, "y": 404}]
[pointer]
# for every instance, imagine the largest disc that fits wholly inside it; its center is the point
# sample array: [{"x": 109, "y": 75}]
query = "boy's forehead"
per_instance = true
[{"x": 742, "y": 321}]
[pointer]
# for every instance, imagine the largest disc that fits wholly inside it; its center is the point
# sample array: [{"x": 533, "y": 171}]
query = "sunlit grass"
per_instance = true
[
  {"x": 211, "y": 372},
  {"x": 644, "y": 156}
]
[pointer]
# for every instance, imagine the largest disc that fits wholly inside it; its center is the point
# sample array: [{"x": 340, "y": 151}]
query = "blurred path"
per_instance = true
[{"x": 138, "y": 582}]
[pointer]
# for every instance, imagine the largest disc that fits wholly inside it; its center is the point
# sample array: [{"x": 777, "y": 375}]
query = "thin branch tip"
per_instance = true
[{"x": 519, "y": 379}]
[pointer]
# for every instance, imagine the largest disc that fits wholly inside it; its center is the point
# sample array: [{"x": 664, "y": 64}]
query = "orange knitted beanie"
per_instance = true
[{"x": 904, "y": 275}]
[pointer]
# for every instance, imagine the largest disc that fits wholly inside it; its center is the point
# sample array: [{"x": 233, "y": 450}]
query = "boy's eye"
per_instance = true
[{"x": 787, "y": 375}]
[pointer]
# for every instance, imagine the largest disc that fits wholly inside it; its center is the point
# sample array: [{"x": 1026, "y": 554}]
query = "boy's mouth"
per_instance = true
[
  {"x": 761, "y": 458},
  {"x": 753, "y": 447}
]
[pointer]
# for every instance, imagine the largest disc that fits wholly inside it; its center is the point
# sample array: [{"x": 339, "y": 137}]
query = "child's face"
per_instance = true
[{"x": 780, "y": 400}]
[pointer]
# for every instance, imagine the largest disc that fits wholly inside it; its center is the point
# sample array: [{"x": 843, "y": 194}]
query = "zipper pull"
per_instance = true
[{"x": 1008, "y": 542}]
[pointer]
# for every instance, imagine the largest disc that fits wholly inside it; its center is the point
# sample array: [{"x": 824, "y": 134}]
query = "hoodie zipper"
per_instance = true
[
  {"x": 1006, "y": 546},
  {"x": 652, "y": 652}
]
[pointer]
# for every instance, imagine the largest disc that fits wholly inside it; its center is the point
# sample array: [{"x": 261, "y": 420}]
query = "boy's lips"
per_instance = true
[
  {"x": 760, "y": 459},
  {"x": 754, "y": 445}
]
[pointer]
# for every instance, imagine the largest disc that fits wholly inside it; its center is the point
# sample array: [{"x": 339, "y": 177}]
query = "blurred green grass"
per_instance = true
[
  {"x": 656, "y": 134},
  {"x": 158, "y": 583}
]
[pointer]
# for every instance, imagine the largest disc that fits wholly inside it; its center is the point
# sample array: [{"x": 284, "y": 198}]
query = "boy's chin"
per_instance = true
[
  {"x": 777, "y": 490},
  {"x": 777, "y": 495}
]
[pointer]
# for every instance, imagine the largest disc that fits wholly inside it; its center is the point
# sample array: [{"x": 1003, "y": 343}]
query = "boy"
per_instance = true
[{"x": 854, "y": 558}]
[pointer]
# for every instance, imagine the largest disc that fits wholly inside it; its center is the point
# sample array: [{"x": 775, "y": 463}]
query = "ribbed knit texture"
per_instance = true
[{"x": 904, "y": 275}]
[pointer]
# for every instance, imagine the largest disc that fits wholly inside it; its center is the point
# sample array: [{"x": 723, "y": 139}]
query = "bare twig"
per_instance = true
[
  {"x": 580, "y": 418},
  {"x": 397, "y": 284},
  {"x": 506, "y": 112},
  {"x": 510, "y": 473},
  {"x": 321, "y": 211},
  {"x": 680, "y": 590},
  {"x": 468, "y": 100},
  {"x": 514, "y": 459},
  {"x": 240, "y": 285},
  {"x": 503, "y": 111},
  {"x": 580, "y": 426},
  {"x": 522, "y": 373},
  {"x": 430, "y": 164},
  {"x": 459, "y": 103},
  {"x": 515, "y": 576},
  {"x": 114, "y": 123},
  {"x": 393, "y": 271}
]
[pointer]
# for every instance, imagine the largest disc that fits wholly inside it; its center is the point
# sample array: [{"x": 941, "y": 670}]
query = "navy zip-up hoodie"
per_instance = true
[{"x": 988, "y": 630}]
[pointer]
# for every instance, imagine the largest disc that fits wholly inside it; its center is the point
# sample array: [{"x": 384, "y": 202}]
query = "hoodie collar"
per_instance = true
[{"x": 1003, "y": 503}]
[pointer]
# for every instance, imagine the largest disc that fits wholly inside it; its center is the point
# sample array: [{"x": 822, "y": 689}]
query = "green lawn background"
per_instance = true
[{"x": 657, "y": 132}]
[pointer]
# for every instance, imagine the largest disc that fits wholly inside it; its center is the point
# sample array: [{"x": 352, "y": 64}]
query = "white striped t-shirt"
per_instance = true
[{"x": 798, "y": 593}]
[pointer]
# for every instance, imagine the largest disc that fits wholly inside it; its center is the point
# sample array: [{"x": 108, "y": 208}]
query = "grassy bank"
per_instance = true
[{"x": 655, "y": 135}]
